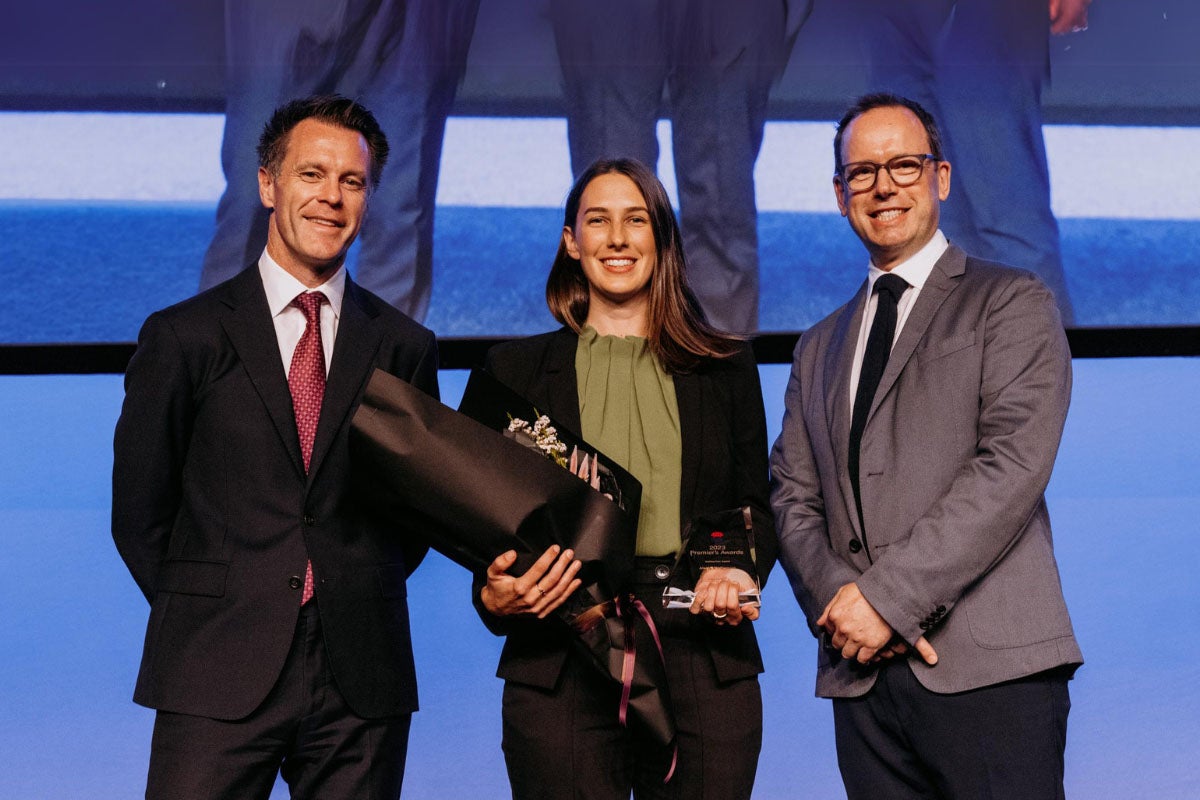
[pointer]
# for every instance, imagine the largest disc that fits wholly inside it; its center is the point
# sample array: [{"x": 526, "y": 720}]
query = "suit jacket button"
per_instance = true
[
  {"x": 855, "y": 545},
  {"x": 295, "y": 581},
  {"x": 941, "y": 610},
  {"x": 310, "y": 520},
  {"x": 923, "y": 625},
  {"x": 661, "y": 571}
]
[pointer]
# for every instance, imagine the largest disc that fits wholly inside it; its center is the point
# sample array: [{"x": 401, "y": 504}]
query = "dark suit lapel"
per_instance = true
[
  {"x": 839, "y": 363},
  {"x": 358, "y": 339},
  {"x": 555, "y": 388},
  {"x": 942, "y": 280},
  {"x": 252, "y": 334}
]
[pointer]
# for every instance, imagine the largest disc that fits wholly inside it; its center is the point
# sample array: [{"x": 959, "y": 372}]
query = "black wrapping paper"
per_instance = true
[
  {"x": 474, "y": 493},
  {"x": 479, "y": 493}
]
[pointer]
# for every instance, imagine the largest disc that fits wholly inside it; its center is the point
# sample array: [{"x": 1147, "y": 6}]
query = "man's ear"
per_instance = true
[
  {"x": 840, "y": 191},
  {"x": 943, "y": 178},
  {"x": 266, "y": 188}
]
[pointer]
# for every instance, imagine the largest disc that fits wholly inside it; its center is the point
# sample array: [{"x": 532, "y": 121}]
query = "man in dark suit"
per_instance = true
[
  {"x": 922, "y": 421},
  {"x": 278, "y": 637}
]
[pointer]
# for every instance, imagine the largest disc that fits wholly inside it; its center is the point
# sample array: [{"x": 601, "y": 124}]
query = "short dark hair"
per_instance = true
[
  {"x": 886, "y": 100},
  {"x": 677, "y": 331},
  {"x": 331, "y": 108}
]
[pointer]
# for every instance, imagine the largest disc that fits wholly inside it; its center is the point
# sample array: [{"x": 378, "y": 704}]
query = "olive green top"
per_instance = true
[{"x": 627, "y": 409}]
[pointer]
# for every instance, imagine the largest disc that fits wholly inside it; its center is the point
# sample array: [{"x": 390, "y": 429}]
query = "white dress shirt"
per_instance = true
[
  {"x": 282, "y": 288},
  {"x": 915, "y": 271}
]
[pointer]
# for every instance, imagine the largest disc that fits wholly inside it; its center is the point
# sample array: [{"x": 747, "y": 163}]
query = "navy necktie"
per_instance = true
[{"x": 879, "y": 346}]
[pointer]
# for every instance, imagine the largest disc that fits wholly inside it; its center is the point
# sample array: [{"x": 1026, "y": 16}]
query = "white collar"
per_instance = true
[
  {"x": 917, "y": 268},
  {"x": 282, "y": 287}
]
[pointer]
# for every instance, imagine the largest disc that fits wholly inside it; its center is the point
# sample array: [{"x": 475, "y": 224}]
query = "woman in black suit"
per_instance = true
[{"x": 640, "y": 375}]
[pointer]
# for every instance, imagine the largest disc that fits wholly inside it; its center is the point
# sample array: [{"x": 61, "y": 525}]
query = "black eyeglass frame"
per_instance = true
[{"x": 875, "y": 167}]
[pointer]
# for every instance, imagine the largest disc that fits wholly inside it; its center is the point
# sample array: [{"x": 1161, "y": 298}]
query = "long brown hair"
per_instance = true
[{"x": 677, "y": 331}]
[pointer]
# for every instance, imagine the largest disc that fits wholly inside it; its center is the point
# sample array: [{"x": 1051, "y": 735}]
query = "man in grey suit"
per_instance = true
[{"x": 922, "y": 422}]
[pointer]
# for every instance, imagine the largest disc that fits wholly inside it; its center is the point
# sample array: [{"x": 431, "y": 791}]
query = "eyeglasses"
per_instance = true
[{"x": 903, "y": 170}]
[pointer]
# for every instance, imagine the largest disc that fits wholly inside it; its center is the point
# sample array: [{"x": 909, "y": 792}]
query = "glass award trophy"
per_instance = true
[{"x": 724, "y": 539}]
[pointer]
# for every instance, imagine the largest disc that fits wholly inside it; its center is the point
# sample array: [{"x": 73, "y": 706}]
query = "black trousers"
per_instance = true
[
  {"x": 303, "y": 729},
  {"x": 567, "y": 743},
  {"x": 1002, "y": 742}
]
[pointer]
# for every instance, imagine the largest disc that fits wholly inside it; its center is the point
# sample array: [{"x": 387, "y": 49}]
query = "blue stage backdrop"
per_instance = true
[
  {"x": 1124, "y": 502},
  {"x": 111, "y": 129}
]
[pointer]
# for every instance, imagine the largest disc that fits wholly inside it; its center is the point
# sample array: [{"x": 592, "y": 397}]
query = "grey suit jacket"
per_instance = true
[{"x": 957, "y": 451}]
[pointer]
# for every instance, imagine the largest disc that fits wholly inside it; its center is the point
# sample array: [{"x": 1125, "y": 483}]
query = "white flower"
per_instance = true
[{"x": 543, "y": 436}]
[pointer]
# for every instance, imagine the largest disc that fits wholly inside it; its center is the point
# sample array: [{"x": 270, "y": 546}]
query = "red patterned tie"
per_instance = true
[{"x": 306, "y": 380}]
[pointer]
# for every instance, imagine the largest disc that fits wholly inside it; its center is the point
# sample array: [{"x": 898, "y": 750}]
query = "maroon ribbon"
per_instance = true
[{"x": 630, "y": 661}]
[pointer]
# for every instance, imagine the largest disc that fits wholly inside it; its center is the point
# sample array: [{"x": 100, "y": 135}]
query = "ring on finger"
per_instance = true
[{"x": 722, "y": 615}]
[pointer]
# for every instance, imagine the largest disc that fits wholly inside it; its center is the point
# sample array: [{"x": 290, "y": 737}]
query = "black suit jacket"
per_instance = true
[
  {"x": 215, "y": 517},
  {"x": 724, "y": 439}
]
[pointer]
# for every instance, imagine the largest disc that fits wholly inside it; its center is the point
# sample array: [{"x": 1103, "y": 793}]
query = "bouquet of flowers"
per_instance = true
[{"x": 491, "y": 478}]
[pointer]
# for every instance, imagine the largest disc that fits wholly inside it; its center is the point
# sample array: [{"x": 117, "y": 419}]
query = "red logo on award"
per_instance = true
[{"x": 717, "y": 535}]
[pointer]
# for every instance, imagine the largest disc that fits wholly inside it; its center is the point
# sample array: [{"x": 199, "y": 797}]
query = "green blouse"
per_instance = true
[{"x": 627, "y": 409}]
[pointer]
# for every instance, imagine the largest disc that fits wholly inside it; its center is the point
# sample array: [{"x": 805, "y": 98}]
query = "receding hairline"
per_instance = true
[
  {"x": 334, "y": 110},
  {"x": 912, "y": 115},
  {"x": 286, "y": 139}
]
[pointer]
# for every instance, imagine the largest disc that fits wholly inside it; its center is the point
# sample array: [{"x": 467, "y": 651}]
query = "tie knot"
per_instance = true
[
  {"x": 891, "y": 285},
  {"x": 310, "y": 304}
]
